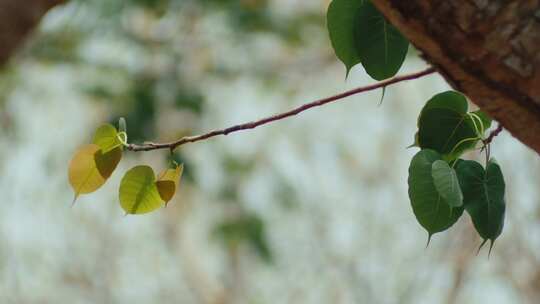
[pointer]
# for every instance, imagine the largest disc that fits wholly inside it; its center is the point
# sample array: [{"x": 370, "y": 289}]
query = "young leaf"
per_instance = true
[
  {"x": 122, "y": 124},
  {"x": 106, "y": 138},
  {"x": 429, "y": 207},
  {"x": 341, "y": 18},
  {"x": 168, "y": 181},
  {"x": 138, "y": 191},
  {"x": 90, "y": 168},
  {"x": 483, "y": 193},
  {"x": 381, "y": 47},
  {"x": 445, "y": 127},
  {"x": 446, "y": 182}
]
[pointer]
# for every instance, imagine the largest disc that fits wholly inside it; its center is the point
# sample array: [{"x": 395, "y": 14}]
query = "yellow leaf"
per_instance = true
[
  {"x": 168, "y": 181},
  {"x": 90, "y": 168}
]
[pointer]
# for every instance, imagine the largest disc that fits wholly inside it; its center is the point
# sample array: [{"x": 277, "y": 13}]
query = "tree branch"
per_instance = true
[
  {"x": 493, "y": 134},
  {"x": 254, "y": 124}
]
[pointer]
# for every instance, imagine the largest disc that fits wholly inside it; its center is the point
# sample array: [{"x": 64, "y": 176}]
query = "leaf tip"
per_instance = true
[
  {"x": 481, "y": 245},
  {"x": 347, "y": 71},
  {"x": 74, "y": 200},
  {"x": 491, "y": 243},
  {"x": 382, "y": 96},
  {"x": 429, "y": 240}
]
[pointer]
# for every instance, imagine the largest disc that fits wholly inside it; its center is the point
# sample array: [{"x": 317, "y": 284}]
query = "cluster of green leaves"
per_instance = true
[
  {"x": 441, "y": 185},
  {"x": 140, "y": 190},
  {"x": 360, "y": 34}
]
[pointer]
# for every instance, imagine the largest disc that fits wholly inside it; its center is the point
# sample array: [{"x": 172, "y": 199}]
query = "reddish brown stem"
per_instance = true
[
  {"x": 493, "y": 134},
  {"x": 254, "y": 124}
]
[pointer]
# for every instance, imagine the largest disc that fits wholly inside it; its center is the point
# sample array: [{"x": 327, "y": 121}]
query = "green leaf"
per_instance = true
[
  {"x": 483, "y": 193},
  {"x": 138, "y": 191},
  {"x": 450, "y": 100},
  {"x": 381, "y": 47},
  {"x": 342, "y": 18},
  {"x": 89, "y": 168},
  {"x": 445, "y": 126},
  {"x": 446, "y": 182},
  {"x": 106, "y": 137},
  {"x": 429, "y": 207},
  {"x": 168, "y": 181}
]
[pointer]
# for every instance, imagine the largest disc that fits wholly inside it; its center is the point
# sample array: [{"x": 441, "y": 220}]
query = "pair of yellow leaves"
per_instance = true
[{"x": 140, "y": 192}]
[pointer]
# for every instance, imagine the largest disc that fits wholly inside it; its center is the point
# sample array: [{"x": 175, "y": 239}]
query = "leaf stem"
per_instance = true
[{"x": 122, "y": 137}]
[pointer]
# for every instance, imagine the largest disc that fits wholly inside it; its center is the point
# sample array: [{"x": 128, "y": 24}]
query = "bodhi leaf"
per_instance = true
[
  {"x": 107, "y": 162},
  {"x": 381, "y": 47},
  {"x": 341, "y": 18},
  {"x": 106, "y": 137},
  {"x": 450, "y": 100},
  {"x": 445, "y": 127},
  {"x": 446, "y": 182},
  {"x": 138, "y": 191},
  {"x": 483, "y": 192},
  {"x": 429, "y": 207},
  {"x": 168, "y": 181},
  {"x": 90, "y": 168}
]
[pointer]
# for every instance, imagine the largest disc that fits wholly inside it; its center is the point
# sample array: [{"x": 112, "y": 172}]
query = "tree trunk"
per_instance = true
[
  {"x": 17, "y": 19},
  {"x": 487, "y": 49}
]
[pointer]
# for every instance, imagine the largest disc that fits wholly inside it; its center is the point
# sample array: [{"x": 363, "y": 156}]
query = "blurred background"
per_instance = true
[{"x": 313, "y": 209}]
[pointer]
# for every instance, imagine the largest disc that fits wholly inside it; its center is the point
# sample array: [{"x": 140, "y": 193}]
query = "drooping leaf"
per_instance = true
[
  {"x": 138, "y": 191},
  {"x": 168, "y": 181},
  {"x": 342, "y": 18},
  {"x": 106, "y": 138},
  {"x": 446, "y": 182},
  {"x": 381, "y": 47},
  {"x": 90, "y": 168},
  {"x": 429, "y": 207},
  {"x": 445, "y": 127},
  {"x": 483, "y": 196}
]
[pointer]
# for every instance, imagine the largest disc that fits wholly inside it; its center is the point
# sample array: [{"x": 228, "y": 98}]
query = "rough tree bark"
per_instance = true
[
  {"x": 487, "y": 49},
  {"x": 17, "y": 19}
]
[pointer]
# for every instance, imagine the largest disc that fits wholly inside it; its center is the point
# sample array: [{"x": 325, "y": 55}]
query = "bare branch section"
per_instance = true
[
  {"x": 17, "y": 20},
  {"x": 254, "y": 124}
]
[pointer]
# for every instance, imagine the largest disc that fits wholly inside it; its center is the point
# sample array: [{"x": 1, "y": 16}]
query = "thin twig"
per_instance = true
[
  {"x": 487, "y": 142},
  {"x": 254, "y": 124},
  {"x": 493, "y": 134}
]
